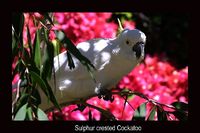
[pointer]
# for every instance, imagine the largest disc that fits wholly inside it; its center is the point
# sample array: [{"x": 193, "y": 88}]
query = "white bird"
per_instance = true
[{"x": 112, "y": 58}]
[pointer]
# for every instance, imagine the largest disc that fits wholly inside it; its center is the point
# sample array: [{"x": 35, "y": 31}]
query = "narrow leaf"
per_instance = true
[
  {"x": 70, "y": 61},
  {"x": 26, "y": 57},
  {"x": 36, "y": 96},
  {"x": 45, "y": 34},
  {"x": 120, "y": 25},
  {"x": 162, "y": 116},
  {"x": 60, "y": 35},
  {"x": 182, "y": 116},
  {"x": 56, "y": 44},
  {"x": 29, "y": 114},
  {"x": 180, "y": 105},
  {"x": 37, "y": 52},
  {"x": 52, "y": 96},
  {"x": 40, "y": 82},
  {"x": 22, "y": 100},
  {"x": 41, "y": 115},
  {"x": 48, "y": 61},
  {"x": 140, "y": 113},
  {"x": 68, "y": 44},
  {"x": 21, "y": 114},
  {"x": 14, "y": 47},
  {"x": 152, "y": 114},
  {"x": 47, "y": 17},
  {"x": 29, "y": 41},
  {"x": 108, "y": 115},
  {"x": 45, "y": 87}
]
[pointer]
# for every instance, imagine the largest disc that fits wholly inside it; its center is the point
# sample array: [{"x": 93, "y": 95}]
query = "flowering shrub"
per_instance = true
[
  {"x": 29, "y": 19},
  {"x": 156, "y": 79},
  {"x": 77, "y": 26},
  {"x": 81, "y": 27},
  {"x": 129, "y": 24}
]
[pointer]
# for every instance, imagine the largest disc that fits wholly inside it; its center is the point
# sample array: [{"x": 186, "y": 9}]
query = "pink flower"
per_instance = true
[
  {"x": 81, "y": 27},
  {"x": 28, "y": 21},
  {"x": 129, "y": 24},
  {"x": 155, "y": 78},
  {"x": 16, "y": 78}
]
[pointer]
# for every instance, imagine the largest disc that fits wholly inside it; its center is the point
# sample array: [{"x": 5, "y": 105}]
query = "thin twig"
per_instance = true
[
  {"x": 104, "y": 112},
  {"x": 121, "y": 93},
  {"x": 166, "y": 105}
]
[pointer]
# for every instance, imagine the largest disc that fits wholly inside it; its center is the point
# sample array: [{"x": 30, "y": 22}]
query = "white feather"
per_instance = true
[{"x": 112, "y": 58}]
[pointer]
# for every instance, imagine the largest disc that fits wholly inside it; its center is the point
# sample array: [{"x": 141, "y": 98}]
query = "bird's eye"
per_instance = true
[{"x": 127, "y": 42}]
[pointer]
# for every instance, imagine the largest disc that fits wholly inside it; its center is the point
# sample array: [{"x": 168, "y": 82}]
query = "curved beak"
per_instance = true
[{"x": 138, "y": 48}]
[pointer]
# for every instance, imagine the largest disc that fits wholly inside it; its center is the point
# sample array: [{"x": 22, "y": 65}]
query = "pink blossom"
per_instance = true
[
  {"x": 129, "y": 24},
  {"x": 156, "y": 79},
  {"x": 81, "y": 27}
]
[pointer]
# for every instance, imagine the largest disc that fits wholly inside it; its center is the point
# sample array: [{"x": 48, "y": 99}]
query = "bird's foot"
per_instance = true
[{"x": 106, "y": 95}]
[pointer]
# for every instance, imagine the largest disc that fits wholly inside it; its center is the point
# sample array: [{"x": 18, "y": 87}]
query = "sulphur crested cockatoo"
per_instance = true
[{"x": 112, "y": 58}]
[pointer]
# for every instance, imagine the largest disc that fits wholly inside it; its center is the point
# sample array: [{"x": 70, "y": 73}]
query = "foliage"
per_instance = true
[
  {"x": 34, "y": 66},
  {"x": 155, "y": 82},
  {"x": 154, "y": 90}
]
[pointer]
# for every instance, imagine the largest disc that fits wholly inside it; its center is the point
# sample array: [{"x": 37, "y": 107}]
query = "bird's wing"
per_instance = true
[{"x": 92, "y": 49}]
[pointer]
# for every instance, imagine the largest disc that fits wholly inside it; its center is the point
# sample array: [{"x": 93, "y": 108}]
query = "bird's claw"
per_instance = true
[{"x": 106, "y": 95}]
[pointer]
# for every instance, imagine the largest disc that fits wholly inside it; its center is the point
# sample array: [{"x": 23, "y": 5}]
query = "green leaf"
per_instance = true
[
  {"x": 44, "y": 34},
  {"x": 36, "y": 96},
  {"x": 52, "y": 97},
  {"x": 140, "y": 113},
  {"x": 26, "y": 57},
  {"x": 41, "y": 83},
  {"x": 29, "y": 41},
  {"x": 41, "y": 115},
  {"x": 29, "y": 113},
  {"x": 56, "y": 44},
  {"x": 180, "y": 106},
  {"x": 70, "y": 61},
  {"x": 182, "y": 116},
  {"x": 120, "y": 25},
  {"x": 73, "y": 50},
  {"x": 128, "y": 15},
  {"x": 152, "y": 114},
  {"x": 107, "y": 114},
  {"x": 60, "y": 35},
  {"x": 71, "y": 47},
  {"x": 22, "y": 100},
  {"x": 21, "y": 114},
  {"x": 37, "y": 52},
  {"x": 47, "y": 17},
  {"x": 44, "y": 85},
  {"x": 162, "y": 115},
  {"x": 48, "y": 61}
]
